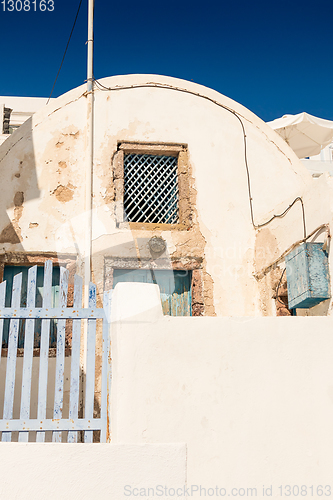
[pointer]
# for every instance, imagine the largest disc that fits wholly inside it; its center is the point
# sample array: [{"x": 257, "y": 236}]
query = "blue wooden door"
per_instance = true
[
  {"x": 8, "y": 276},
  {"x": 175, "y": 287}
]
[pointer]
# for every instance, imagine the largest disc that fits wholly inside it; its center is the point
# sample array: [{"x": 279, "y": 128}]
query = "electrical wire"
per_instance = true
[
  {"x": 102, "y": 87},
  {"x": 63, "y": 58},
  {"x": 284, "y": 213},
  {"x": 264, "y": 271},
  {"x": 277, "y": 289}
]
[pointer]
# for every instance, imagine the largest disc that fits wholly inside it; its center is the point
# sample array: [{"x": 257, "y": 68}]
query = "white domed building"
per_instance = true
[{"x": 184, "y": 180}]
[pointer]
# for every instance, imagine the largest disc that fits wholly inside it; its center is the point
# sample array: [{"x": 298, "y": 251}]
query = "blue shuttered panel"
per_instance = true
[{"x": 9, "y": 273}]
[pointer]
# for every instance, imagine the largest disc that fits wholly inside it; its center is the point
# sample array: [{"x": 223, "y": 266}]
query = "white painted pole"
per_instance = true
[
  {"x": 89, "y": 171},
  {"x": 90, "y": 146}
]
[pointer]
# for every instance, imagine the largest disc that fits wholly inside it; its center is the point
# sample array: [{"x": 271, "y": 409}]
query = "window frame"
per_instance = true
[
  {"x": 176, "y": 150},
  {"x": 162, "y": 277},
  {"x": 193, "y": 264}
]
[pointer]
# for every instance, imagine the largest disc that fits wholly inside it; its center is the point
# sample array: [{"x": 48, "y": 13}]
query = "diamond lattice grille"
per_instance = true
[{"x": 151, "y": 188}]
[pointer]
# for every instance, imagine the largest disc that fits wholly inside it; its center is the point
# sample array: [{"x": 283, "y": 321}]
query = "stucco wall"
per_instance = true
[
  {"x": 46, "y": 161},
  {"x": 86, "y": 472},
  {"x": 251, "y": 397}
]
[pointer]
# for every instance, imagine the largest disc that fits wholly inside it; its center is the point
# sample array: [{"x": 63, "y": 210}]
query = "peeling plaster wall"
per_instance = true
[
  {"x": 277, "y": 237},
  {"x": 46, "y": 161}
]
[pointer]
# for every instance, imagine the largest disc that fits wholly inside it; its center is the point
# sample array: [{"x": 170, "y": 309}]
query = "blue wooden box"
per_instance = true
[{"x": 308, "y": 277}]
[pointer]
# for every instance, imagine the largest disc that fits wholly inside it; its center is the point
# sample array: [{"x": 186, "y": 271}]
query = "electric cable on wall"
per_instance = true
[
  {"x": 63, "y": 58},
  {"x": 277, "y": 289}
]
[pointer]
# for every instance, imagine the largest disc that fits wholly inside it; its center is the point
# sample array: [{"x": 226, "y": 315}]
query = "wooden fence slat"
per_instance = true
[
  {"x": 60, "y": 360},
  {"x": 52, "y": 313},
  {"x": 2, "y": 304},
  {"x": 44, "y": 349},
  {"x": 28, "y": 353},
  {"x": 106, "y": 370},
  {"x": 90, "y": 366},
  {"x": 11, "y": 359},
  {"x": 57, "y": 425},
  {"x": 63, "y": 424},
  {"x": 75, "y": 361}
]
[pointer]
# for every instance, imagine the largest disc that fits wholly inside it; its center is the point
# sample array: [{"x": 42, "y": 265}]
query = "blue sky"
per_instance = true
[{"x": 272, "y": 57}]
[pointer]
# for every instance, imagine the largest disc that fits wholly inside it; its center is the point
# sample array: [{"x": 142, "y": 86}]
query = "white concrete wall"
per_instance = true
[
  {"x": 251, "y": 397},
  {"x": 88, "y": 471},
  {"x": 28, "y": 105},
  {"x": 318, "y": 167},
  {"x": 22, "y": 109}
]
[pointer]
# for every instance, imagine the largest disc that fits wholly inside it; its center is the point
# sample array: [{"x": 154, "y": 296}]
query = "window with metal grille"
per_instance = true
[{"x": 151, "y": 188}]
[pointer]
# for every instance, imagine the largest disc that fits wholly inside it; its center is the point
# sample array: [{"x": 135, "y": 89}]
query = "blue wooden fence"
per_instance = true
[{"x": 73, "y": 424}]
